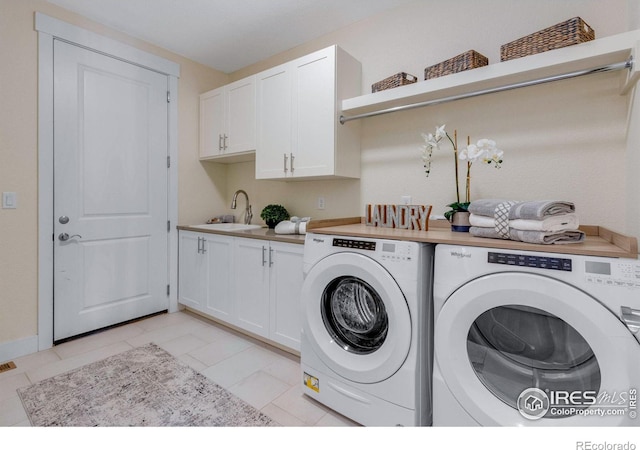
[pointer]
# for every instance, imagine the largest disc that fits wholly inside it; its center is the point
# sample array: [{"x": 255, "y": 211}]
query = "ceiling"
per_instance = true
[{"x": 227, "y": 35}]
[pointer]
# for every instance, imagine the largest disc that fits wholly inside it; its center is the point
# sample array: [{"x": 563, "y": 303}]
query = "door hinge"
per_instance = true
[
  {"x": 168, "y": 97},
  {"x": 168, "y": 289},
  {"x": 168, "y": 226},
  {"x": 168, "y": 161}
]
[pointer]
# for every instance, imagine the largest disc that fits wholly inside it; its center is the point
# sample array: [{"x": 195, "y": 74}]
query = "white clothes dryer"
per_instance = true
[
  {"x": 535, "y": 339},
  {"x": 366, "y": 347}
]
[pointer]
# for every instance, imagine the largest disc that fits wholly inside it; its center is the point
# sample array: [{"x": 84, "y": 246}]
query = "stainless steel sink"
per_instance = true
[{"x": 226, "y": 226}]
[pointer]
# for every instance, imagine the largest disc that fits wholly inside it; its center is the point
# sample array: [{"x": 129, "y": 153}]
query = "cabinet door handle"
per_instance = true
[
  {"x": 204, "y": 249},
  {"x": 292, "y": 162},
  {"x": 201, "y": 248},
  {"x": 219, "y": 142},
  {"x": 270, "y": 257},
  {"x": 264, "y": 261},
  {"x": 285, "y": 163}
]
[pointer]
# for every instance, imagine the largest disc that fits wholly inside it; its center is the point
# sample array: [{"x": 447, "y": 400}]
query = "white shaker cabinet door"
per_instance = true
[
  {"x": 314, "y": 113},
  {"x": 240, "y": 135},
  {"x": 273, "y": 150},
  {"x": 251, "y": 285},
  {"x": 193, "y": 269},
  {"x": 285, "y": 286},
  {"x": 212, "y": 122},
  {"x": 219, "y": 254}
]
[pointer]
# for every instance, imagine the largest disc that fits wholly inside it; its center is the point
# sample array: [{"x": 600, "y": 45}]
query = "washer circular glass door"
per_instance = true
[
  {"x": 502, "y": 334},
  {"x": 356, "y": 317}
]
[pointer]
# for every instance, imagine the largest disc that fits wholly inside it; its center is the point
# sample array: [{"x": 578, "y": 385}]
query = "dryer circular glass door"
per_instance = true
[
  {"x": 504, "y": 336},
  {"x": 357, "y": 319}
]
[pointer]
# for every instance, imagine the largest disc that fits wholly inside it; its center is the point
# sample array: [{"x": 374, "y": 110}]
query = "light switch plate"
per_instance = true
[{"x": 9, "y": 200}]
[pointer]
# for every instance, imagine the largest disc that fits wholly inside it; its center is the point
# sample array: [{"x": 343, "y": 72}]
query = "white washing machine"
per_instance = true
[
  {"x": 535, "y": 339},
  {"x": 366, "y": 349}
]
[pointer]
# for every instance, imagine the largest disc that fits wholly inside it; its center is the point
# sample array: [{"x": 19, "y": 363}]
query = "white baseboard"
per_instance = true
[{"x": 16, "y": 349}]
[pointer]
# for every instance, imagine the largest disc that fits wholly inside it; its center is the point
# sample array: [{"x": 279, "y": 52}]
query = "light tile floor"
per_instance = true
[{"x": 265, "y": 377}]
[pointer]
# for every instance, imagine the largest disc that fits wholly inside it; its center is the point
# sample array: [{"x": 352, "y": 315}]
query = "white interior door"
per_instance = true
[{"x": 110, "y": 191}]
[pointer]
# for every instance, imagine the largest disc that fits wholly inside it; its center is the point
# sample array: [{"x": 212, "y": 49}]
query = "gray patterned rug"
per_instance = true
[{"x": 145, "y": 386}]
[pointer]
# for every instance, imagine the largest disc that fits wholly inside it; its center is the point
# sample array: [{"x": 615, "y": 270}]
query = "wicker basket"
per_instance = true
[
  {"x": 571, "y": 32},
  {"x": 399, "y": 79},
  {"x": 464, "y": 61}
]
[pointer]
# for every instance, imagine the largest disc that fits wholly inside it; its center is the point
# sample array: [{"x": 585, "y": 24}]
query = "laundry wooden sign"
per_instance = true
[{"x": 410, "y": 217}]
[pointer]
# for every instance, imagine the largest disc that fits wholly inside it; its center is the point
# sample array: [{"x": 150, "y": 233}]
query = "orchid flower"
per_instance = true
[
  {"x": 432, "y": 142},
  {"x": 484, "y": 150}
]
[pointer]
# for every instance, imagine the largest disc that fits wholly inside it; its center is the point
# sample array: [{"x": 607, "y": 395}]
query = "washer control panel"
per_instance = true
[
  {"x": 351, "y": 243},
  {"x": 387, "y": 251},
  {"x": 538, "y": 262},
  {"x": 396, "y": 252}
]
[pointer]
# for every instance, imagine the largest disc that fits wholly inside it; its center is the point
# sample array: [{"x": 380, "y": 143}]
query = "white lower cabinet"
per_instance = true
[
  {"x": 285, "y": 287},
  {"x": 251, "y": 280},
  {"x": 252, "y": 284},
  {"x": 204, "y": 271}
]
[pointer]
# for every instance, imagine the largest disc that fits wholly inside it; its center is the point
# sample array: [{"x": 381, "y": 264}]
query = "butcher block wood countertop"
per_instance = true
[
  {"x": 264, "y": 233},
  {"x": 599, "y": 241}
]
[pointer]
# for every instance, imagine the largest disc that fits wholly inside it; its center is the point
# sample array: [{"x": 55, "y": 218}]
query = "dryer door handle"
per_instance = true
[{"x": 631, "y": 318}]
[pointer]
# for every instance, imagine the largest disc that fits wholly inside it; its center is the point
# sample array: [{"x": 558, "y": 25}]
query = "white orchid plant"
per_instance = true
[{"x": 485, "y": 150}]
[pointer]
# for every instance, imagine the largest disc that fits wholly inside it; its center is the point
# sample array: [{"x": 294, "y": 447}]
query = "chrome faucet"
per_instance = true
[{"x": 247, "y": 212}]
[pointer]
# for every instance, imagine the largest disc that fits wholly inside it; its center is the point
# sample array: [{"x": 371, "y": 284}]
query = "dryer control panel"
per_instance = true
[
  {"x": 539, "y": 262},
  {"x": 622, "y": 274}
]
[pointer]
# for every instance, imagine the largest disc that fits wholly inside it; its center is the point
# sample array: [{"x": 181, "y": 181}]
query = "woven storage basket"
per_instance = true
[
  {"x": 399, "y": 79},
  {"x": 464, "y": 61},
  {"x": 571, "y": 32}
]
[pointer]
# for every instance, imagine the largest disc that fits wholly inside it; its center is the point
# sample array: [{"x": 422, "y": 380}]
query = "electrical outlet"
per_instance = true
[
  {"x": 320, "y": 204},
  {"x": 406, "y": 199},
  {"x": 9, "y": 200}
]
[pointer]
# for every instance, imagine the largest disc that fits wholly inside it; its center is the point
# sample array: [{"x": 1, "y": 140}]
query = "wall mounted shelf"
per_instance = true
[{"x": 605, "y": 54}]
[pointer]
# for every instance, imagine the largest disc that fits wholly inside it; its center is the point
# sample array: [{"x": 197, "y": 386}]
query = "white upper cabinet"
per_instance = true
[
  {"x": 228, "y": 122},
  {"x": 298, "y": 110},
  {"x": 275, "y": 119}
]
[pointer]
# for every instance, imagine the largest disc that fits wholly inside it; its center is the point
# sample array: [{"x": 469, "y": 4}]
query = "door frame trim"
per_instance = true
[{"x": 49, "y": 29}]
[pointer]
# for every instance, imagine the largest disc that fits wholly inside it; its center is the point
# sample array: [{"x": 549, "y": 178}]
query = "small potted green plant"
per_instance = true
[{"x": 274, "y": 214}]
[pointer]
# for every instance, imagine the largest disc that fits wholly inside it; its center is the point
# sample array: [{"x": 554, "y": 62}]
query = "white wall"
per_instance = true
[
  {"x": 563, "y": 140},
  {"x": 200, "y": 188}
]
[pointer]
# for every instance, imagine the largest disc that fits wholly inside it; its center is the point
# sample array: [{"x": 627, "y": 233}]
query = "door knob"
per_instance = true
[
  {"x": 63, "y": 220},
  {"x": 65, "y": 237}
]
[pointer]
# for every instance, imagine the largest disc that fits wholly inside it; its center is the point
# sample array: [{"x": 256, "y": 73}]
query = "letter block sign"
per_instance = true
[{"x": 410, "y": 217}]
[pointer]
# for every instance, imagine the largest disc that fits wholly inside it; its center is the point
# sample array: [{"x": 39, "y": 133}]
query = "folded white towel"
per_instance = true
[
  {"x": 529, "y": 210},
  {"x": 561, "y": 222},
  {"x": 532, "y": 237}
]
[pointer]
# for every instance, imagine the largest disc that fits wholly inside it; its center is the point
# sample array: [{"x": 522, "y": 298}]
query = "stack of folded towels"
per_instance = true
[{"x": 535, "y": 222}]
